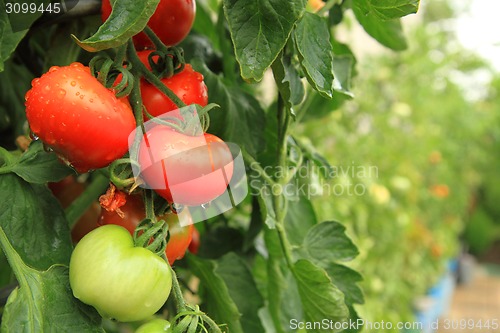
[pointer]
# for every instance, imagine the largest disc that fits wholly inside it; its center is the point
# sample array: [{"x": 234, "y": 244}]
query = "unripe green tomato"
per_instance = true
[
  {"x": 155, "y": 326},
  {"x": 121, "y": 281}
]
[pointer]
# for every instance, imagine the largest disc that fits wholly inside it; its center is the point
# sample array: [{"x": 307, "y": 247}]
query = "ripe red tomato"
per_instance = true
[
  {"x": 188, "y": 85},
  {"x": 77, "y": 117},
  {"x": 186, "y": 170},
  {"x": 66, "y": 191},
  {"x": 171, "y": 21},
  {"x": 133, "y": 213}
]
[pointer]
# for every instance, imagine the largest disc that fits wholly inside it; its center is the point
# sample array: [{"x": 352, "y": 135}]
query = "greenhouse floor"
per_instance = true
[{"x": 475, "y": 305}]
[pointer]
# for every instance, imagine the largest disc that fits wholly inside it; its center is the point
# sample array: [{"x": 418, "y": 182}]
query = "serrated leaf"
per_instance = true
[
  {"x": 243, "y": 290},
  {"x": 34, "y": 223},
  {"x": 218, "y": 300},
  {"x": 240, "y": 119},
  {"x": 288, "y": 81},
  {"x": 327, "y": 242},
  {"x": 128, "y": 18},
  {"x": 390, "y": 9},
  {"x": 39, "y": 167},
  {"x": 320, "y": 297},
  {"x": 44, "y": 302},
  {"x": 312, "y": 40},
  {"x": 388, "y": 33},
  {"x": 260, "y": 30},
  {"x": 300, "y": 217},
  {"x": 346, "y": 280}
]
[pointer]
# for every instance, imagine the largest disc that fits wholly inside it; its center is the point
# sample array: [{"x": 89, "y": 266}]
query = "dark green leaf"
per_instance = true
[
  {"x": 43, "y": 302},
  {"x": 387, "y": 33},
  {"x": 300, "y": 217},
  {"x": 260, "y": 30},
  {"x": 390, "y": 9},
  {"x": 128, "y": 18},
  {"x": 327, "y": 242},
  {"x": 203, "y": 23},
  {"x": 312, "y": 40},
  {"x": 34, "y": 223},
  {"x": 289, "y": 82},
  {"x": 38, "y": 166},
  {"x": 241, "y": 119},
  {"x": 323, "y": 167},
  {"x": 220, "y": 305},
  {"x": 212, "y": 247},
  {"x": 242, "y": 289},
  {"x": 320, "y": 297},
  {"x": 346, "y": 280}
]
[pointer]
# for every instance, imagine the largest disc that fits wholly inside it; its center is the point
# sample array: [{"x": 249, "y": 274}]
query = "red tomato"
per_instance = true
[
  {"x": 195, "y": 242},
  {"x": 66, "y": 191},
  {"x": 133, "y": 213},
  {"x": 188, "y": 85},
  {"x": 171, "y": 21},
  {"x": 77, "y": 117},
  {"x": 186, "y": 170}
]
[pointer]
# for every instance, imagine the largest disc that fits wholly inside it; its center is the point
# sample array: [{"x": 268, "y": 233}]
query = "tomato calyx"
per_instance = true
[
  {"x": 112, "y": 75},
  {"x": 165, "y": 62},
  {"x": 113, "y": 199}
]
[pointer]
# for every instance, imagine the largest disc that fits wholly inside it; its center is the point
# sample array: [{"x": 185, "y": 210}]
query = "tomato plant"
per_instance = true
[
  {"x": 132, "y": 213},
  {"x": 121, "y": 281},
  {"x": 171, "y": 21},
  {"x": 72, "y": 112},
  {"x": 198, "y": 168}
]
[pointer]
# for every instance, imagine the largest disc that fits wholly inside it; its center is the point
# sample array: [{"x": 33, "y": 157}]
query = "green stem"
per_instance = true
[
  {"x": 120, "y": 55},
  {"x": 138, "y": 66},
  {"x": 83, "y": 202},
  {"x": 254, "y": 165},
  {"x": 328, "y": 5},
  {"x": 156, "y": 41},
  {"x": 181, "y": 304}
]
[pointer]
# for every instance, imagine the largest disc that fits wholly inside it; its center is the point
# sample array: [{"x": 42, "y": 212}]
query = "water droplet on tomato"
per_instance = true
[
  {"x": 199, "y": 77},
  {"x": 73, "y": 83},
  {"x": 35, "y": 82},
  {"x": 82, "y": 96},
  {"x": 77, "y": 93},
  {"x": 47, "y": 88},
  {"x": 176, "y": 208},
  {"x": 53, "y": 68},
  {"x": 61, "y": 93},
  {"x": 91, "y": 100},
  {"x": 33, "y": 136}
]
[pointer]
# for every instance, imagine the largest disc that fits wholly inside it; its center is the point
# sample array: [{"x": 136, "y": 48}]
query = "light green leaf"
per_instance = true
[
  {"x": 320, "y": 297},
  {"x": 390, "y": 9}
]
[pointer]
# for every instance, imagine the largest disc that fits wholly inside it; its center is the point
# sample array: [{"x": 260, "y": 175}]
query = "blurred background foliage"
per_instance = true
[{"x": 426, "y": 123}]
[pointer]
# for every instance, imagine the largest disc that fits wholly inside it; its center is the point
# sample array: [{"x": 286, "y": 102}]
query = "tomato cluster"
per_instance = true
[{"x": 75, "y": 115}]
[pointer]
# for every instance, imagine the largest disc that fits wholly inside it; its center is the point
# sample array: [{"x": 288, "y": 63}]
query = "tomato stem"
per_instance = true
[{"x": 78, "y": 207}]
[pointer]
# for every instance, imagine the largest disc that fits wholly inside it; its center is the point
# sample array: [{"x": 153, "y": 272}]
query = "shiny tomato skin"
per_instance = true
[
  {"x": 77, "y": 117},
  {"x": 171, "y": 22},
  {"x": 133, "y": 214},
  {"x": 121, "y": 281},
  {"x": 186, "y": 170},
  {"x": 155, "y": 326},
  {"x": 188, "y": 85}
]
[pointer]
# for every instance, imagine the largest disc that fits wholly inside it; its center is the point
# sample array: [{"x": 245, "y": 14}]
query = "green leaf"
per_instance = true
[
  {"x": 390, "y": 9},
  {"x": 128, "y": 18},
  {"x": 342, "y": 68},
  {"x": 387, "y": 33},
  {"x": 8, "y": 38},
  {"x": 312, "y": 40},
  {"x": 327, "y": 242},
  {"x": 260, "y": 30},
  {"x": 43, "y": 302},
  {"x": 220, "y": 305},
  {"x": 34, "y": 223},
  {"x": 300, "y": 217},
  {"x": 203, "y": 23},
  {"x": 320, "y": 297},
  {"x": 241, "y": 119},
  {"x": 346, "y": 280},
  {"x": 242, "y": 289},
  {"x": 211, "y": 246},
  {"x": 288, "y": 81},
  {"x": 38, "y": 166}
]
